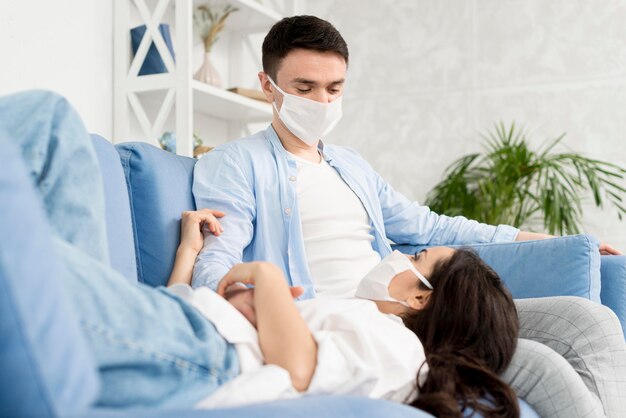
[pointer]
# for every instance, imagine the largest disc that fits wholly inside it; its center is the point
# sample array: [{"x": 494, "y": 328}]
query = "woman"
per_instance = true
[{"x": 464, "y": 318}]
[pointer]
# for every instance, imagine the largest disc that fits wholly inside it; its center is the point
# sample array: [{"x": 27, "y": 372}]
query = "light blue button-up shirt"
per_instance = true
[{"x": 254, "y": 180}]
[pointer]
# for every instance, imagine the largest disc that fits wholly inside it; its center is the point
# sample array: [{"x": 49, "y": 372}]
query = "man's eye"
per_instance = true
[
  {"x": 304, "y": 90},
  {"x": 334, "y": 91}
]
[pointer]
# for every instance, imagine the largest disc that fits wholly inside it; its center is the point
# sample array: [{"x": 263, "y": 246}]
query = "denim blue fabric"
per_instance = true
[
  {"x": 565, "y": 266},
  {"x": 151, "y": 348},
  {"x": 153, "y": 63},
  {"x": 47, "y": 368},
  {"x": 159, "y": 187},
  {"x": 119, "y": 224},
  {"x": 254, "y": 179},
  {"x": 39, "y": 122},
  {"x": 613, "y": 295}
]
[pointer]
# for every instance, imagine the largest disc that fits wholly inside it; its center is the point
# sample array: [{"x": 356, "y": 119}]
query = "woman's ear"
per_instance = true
[{"x": 418, "y": 299}]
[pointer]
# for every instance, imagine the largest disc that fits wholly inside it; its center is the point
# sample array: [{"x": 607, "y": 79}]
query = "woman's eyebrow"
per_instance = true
[{"x": 418, "y": 253}]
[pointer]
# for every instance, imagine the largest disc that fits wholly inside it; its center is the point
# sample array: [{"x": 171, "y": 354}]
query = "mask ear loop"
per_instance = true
[
  {"x": 422, "y": 278},
  {"x": 278, "y": 89}
]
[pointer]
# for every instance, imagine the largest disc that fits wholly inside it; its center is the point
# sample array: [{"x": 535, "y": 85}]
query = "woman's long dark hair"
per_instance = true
[{"x": 469, "y": 330}]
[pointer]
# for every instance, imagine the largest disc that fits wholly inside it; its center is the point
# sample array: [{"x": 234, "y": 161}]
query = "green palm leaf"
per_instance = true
[{"x": 512, "y": 184}]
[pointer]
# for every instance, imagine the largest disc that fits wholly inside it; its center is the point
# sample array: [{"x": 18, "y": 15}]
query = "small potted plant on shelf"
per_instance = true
[
  {"x": 512, "y": 184},
  {"x": 209, "y": 24},
  {"x": 168, "y": 143}
]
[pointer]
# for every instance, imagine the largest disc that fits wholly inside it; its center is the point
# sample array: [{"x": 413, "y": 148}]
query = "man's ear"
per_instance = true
[{"x": 266, "y": 86}]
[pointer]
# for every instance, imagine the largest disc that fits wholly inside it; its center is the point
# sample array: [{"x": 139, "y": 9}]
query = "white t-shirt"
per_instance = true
[
  {"x": 336, "y": 230},
  {"x": 360, "y": 351}
]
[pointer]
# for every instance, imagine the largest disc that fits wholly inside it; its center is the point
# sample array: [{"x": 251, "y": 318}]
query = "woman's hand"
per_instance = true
[
  {"x": 192, "y": 224},
  {"x": 243, "y": 300},
  {"x": 248, "y": 273}
]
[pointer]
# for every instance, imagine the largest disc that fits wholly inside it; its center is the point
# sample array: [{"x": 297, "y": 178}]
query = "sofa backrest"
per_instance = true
[
  {"x": 118, "y": 217},
  {"x": 564, "y": 266},
  {"x": 159, "y": 190}
]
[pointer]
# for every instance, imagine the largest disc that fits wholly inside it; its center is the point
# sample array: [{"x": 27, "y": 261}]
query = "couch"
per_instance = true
[{"x": 47, "y": 370}]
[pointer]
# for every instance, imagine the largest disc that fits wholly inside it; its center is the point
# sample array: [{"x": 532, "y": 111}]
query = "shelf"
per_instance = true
[
  {"x": 251, "y": 17},
  {"x": 223, "y": 104},
  {"x": 162, "y": 92}
]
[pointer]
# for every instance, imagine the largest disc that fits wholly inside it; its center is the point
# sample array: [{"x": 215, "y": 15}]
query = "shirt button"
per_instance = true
[
  {"x": 288, "y": 211},
  {"x": 292, "y": 178}
]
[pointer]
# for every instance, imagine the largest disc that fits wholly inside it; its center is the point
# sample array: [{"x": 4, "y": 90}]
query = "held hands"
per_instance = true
[
  {"x": 192, "y": 223},
  {"x": 191, "y": 242}
]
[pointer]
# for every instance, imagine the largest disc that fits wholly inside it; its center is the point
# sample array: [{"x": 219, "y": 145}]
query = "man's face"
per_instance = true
[{"x": 314, "y": 75}]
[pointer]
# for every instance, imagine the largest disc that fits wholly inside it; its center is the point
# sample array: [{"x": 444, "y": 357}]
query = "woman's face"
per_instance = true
[{"x": 405, "y": 286}]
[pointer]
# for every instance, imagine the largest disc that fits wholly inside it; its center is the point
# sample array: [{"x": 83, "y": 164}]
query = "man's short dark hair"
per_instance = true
[{"x": 306, "y": 32}]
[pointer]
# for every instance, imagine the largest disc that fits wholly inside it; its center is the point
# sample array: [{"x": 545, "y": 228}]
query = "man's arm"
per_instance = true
[
  {"x": 409, "y": 222},
  {"x": 222, "y": 184}
]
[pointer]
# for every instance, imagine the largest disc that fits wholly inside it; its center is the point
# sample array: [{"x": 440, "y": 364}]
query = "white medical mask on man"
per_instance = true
[
  {"x": 307, "y": 119},
  {"x": 375, "y": 284}
]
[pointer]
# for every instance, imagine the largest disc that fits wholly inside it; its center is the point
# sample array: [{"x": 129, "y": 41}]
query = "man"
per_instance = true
[{"x": 324, "y": 216}]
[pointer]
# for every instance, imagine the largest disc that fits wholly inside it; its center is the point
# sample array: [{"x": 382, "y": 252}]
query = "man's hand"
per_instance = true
[
  {"x": 243, "y": 300},
  {"x": 606, "y": 249}
]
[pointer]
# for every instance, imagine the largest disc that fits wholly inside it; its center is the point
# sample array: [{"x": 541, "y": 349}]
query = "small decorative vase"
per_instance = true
[{"x": 207, "y": 73}]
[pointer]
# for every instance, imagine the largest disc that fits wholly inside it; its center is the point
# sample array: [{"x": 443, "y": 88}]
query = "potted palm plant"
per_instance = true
[{"x": 512, "y": 184}]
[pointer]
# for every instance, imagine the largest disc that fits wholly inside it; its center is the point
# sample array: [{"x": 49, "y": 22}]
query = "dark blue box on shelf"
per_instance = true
[{"x": 153, "y": 63}]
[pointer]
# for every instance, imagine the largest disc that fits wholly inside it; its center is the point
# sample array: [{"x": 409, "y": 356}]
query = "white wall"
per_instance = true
[
  {"x": 426, "y": 77},
  {"x": 61, "y": 45}
]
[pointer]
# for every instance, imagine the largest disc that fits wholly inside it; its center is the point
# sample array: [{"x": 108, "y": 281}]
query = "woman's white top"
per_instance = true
[
  {"x": 335, "y": 228},
  {"x": 360, "y": 351}
]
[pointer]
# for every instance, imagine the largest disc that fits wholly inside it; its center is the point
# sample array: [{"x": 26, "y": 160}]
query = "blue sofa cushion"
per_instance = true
[
  {"x": 118, "y": 219},
  {"x": 47, "y": 367},
  {"x": 613, "y": 270},
  {"x": 565, "y": 266},
  {"x": 159, "y": 188}
]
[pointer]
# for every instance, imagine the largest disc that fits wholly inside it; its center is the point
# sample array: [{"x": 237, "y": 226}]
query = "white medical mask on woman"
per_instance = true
[
  {"x": 375, "y": 284},
  {"x": 307, "y": 119}
]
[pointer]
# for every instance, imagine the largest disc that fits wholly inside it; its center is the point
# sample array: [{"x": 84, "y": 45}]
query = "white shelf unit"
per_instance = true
[{"x": 188, "y": 98}]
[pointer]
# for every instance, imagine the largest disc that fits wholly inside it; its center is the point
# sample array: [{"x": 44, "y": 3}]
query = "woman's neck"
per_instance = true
[{"x": 388, "y": 307}]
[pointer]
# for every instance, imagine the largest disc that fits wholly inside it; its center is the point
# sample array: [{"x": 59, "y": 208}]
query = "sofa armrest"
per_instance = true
[
  {"x": 564, "y": 266},
  {"x": 613, "y": 295},
  {"x": 310, "y": 406}
]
